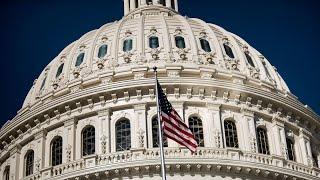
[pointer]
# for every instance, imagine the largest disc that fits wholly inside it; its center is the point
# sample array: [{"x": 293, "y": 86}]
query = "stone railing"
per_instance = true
[
  {"x": 178, "y": 155},
  {"x": 68, "y": 167}
]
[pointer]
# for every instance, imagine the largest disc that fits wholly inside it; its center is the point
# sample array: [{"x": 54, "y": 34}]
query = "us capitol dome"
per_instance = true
[{"x": 91, "y": 114}]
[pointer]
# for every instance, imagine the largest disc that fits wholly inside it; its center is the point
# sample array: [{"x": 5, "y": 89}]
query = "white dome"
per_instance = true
[
  {"x": 91, "y": 113},
  {"x": 164, "y": 23}
]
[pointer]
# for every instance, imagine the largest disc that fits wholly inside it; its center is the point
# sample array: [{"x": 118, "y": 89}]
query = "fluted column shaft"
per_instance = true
[{"x": 126, "y": 7}]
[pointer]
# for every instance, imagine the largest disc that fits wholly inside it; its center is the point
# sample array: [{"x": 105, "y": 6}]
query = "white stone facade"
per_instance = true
[{"x": 209, "y": 85}]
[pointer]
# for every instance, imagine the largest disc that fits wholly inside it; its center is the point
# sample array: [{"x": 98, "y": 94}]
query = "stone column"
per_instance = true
[
  {"x": 215, "y": 126},
  {"x": 132, "y": 5},
  {"x": 15, "y": 162},
  {"x": 69, "y": 139},
  {"x": 168, "y": 3},
  {"x": 104, "y": 135},
  {"x": 249, "y": 131},
  {"x": 126, "y": 7},
  {"x": 305, "y": 149},
  {"x": 155, "y": 2},
  {"x": 176, "y": 5},
  {"x": 40, "y": 139},
  {"x": 279, "y": 138},
  {"x": 140, "y": 126},
  {"x": 143, "y": 2}
]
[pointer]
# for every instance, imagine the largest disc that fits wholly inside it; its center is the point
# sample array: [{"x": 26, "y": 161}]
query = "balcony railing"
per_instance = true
[{"x": 178, "y": 155}]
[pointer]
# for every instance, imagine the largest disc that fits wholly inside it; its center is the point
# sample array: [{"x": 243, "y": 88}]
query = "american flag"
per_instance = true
[{"x": 173, "y": 126}]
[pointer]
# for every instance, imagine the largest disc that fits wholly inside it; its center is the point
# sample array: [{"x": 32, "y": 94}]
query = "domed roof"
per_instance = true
[{"x": 128, "y": 43}]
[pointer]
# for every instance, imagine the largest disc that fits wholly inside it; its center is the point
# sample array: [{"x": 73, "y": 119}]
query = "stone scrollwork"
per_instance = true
[
  {"x": 104, "y": 142},
  {"x": 253, "y": 144},
  {"x": 68, "y": 152},
  {"x": 254, "y": 72},
  {"x": 217, "y": 139},
  {"x": 141, "y": 138},
  {"x": 232, "y": 64}
]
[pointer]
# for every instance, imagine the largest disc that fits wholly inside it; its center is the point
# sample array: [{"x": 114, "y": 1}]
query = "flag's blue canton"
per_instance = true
[{"x": 165, "y": 105}]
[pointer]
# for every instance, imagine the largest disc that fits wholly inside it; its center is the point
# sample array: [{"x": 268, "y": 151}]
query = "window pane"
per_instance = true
[
  {"x": 290, "y": 148},
  {"x": 180, "y": 43},
  {"x": 228, "y": 50},
  {"x": 153, "y": 42},
  {"x": 249, "y": 59},
  {"x": 88, "y": 140},
  {"x": 231, "y": 134},
  {"x": 56, "y": 151},
  {"x": 127, "y": 45},
  {"x": 79, "y": 60},
  {"x": 155, "y": 134},
  {"x": 7, "y": 173},
  {"x": 163, "y": 2},
  {"x": 103, "y": 50},
  {"x": 59, "y": 71},
  {"x": 123, "y": 135},
  {"x": 29, "y": 161},
  {"x": 315, "y": 160},
  {"x": 263, "y": 146},
  {"x": 205, "y": 45},
  {"x": 195, "y": 125}
]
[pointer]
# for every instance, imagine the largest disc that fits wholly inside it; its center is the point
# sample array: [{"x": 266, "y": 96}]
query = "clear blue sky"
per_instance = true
[{"x": 33, "y": 32}]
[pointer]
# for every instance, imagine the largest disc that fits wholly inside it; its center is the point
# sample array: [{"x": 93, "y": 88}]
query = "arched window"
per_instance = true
[
  {"x": 266, "y": 69},
  {"x": 315, "y": 160},
  {"x": 228, "y": 50},
  {"x": 180, "y": 43},
  {"x": 59, "y": 71},
  {"x": 290, "y": 150},
  {"x": 123, "y": 135},
  {"x": 249, "y": 59},
  {"x": 127, "y": 45},
  {"x": 56, "y": 151},
  {"x": 79, "y": 59},
  {"x": 263, "y": 145},
  {"x": 43, "y": 83},
  {"x": 29, "y": 161},
  {"x": 231, "y": 136},
  {"x": 195, "y": 125},
  {"x": 103, "y": 50},
  {"x": 205, "y": 45},
  {"x": 88, "y": 141},
  {"x": 155, "y": 134},
  {"x": 6, "y": 174},
  {"x": 153, "y": 42},
  {"x": 149, "y": 2}
]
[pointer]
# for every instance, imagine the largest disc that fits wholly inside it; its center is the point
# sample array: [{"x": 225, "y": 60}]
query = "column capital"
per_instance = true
[
  {"x": 139, "y": 107},
  {"x": 16, "y": 149},
  {"x": 213, "y": 106},
  {"x": 104, "y": 112},
  {"x": 69, "y": 122},
  {"x": 247, "y": 112},
  {"x": 40, "y": 134},
  {"x": 304, "y": 133}
]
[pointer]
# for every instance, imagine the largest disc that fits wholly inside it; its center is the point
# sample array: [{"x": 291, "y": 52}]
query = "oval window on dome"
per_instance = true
[
  {"x": 103, "y": 50},
  {"x": 228, "y": 50},
  {"x": 249, "y": 59},
  {"x": 205, "y": 45},
  {"x": 60, "y": 69},
  {"x": 153, "y": 42},
  {"x": 80, "y": 59},
  {"x": 180, "y": 43},
  {"x": 127, "y": 45}
]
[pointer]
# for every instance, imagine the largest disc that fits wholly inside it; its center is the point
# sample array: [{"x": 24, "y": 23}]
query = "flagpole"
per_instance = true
[{"x": 163, "y": 166}]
